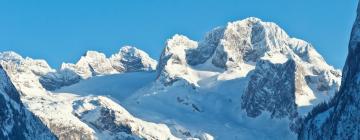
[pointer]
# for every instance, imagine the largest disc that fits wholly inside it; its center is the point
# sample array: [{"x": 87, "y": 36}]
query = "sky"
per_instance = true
[{"x": 63, "y": 30}]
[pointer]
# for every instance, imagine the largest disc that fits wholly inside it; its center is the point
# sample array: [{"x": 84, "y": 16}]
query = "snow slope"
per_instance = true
[
  {"x": 118, "y": 86},
  {"x": 177, "y": 107}
]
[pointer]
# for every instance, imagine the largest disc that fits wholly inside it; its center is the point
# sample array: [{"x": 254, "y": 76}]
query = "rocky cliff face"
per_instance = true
[
  {"x": 340, "y": 118},
  {"x": 16, "y": 121},
  {"x": 266, "y": 90}
]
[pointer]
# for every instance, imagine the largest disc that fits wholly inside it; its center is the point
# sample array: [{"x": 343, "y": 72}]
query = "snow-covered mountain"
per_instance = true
[
  {"x": 246, "y": 80},
  {"x": 233, "y": 78},
  {"x": 263, "y": 53},
  {"x": 340, "y": 119},
  {"x": 15, "y": 120}
]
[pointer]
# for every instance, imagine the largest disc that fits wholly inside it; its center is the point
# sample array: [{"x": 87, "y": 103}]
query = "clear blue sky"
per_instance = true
[{"x": 62, "y": 30}]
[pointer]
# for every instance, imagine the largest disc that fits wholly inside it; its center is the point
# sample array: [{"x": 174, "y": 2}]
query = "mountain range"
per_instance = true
[{"x": 246, "y": 80}]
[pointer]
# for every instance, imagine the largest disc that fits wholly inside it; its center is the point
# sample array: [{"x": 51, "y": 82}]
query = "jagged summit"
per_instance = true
[
  {"x": 128, "y": 59},
  {"x": 17, "y": 66},
  {"x": 132, "y": 59},
  {"x": 95, "y": 63},
  {"x": 244, "y": 41},
  {"x": 10, "y": 56}
]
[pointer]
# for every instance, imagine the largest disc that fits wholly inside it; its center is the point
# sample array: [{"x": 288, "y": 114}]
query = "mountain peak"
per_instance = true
[
  {"x": 240, "y": 41},
  {"x": 252, "y": 19},
  {"x": 180, "y": 41},
  {"x": 129, "y": 49},
  {"x": 93, "y": 55},
  {"x": 255, "y": 26},
  {"x": 10, "y": 56},
  {"x": 131, "y": 59},
  {"x": 243, "y": 41}
]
